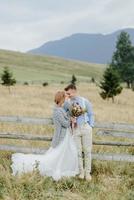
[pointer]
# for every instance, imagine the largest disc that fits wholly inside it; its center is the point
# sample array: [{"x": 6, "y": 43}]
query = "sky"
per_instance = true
[{"x": 27, "y": 24}]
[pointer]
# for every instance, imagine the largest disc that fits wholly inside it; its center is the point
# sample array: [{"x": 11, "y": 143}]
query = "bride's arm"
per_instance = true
[{"x": 63, "y": 119}]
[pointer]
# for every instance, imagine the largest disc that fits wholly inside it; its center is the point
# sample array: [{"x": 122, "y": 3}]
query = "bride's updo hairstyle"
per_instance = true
[{"x": 59, "y": 97}]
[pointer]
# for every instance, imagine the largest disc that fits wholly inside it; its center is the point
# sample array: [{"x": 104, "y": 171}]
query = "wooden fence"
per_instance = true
[{"x": 103, "y": 129}]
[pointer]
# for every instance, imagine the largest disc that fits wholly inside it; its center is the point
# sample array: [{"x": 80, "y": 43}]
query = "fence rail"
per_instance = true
[
  {"x": 105, "y": 129},
  {"x": 115, "y": 133},
  {"x": 26, "y": 120},
  {"x": 98, "y": 156},
  {"x": 48, "y": 138},
  {"x": 48, "y": 121}
]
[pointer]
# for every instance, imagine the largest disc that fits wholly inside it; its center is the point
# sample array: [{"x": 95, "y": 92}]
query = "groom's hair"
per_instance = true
[{"x": 70, "y": 86}]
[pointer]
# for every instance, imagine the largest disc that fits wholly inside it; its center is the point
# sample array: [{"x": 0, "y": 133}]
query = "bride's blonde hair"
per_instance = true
[{"x": 59, "y": 97}]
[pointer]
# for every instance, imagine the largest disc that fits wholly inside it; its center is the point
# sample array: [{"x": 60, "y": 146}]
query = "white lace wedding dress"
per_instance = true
[{"x": 58, "y": 162}]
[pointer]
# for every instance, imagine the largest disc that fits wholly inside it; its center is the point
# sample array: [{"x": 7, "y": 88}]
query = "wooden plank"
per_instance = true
[
  {"x": 113, "y": 157},
  {"x": 49, "y": 138},
  {"x": 116, "y": 126},
  {"x": 128, "y": 144},
  {"x": 96, "y": 156},
  {"x": 26, "y": 120},
  {"x": 48, "y": 121},
  {"x": 25, "y": 136},
  {"x": 20, "y": 149},
  {"x": 115, "y": 134}
]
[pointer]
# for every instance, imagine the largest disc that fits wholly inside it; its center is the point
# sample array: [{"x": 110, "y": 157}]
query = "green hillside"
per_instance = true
[{"x": 26, "y": 67}]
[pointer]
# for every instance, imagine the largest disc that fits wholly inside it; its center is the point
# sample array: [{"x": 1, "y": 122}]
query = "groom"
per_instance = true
[{"x": 83, "y": 131}]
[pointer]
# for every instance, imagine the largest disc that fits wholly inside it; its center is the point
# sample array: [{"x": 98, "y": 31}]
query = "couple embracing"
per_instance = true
[{"x": 73, "y": 121}]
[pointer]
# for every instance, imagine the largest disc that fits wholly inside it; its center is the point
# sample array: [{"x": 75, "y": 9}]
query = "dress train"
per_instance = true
[{"x": 58, "y": 162}]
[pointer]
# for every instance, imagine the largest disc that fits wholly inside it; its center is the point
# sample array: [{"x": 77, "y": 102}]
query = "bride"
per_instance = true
[{"x": 61, "y": 159}]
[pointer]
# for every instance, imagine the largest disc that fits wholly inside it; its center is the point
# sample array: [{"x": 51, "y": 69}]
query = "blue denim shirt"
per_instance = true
[{"x": 88, "y": 117}]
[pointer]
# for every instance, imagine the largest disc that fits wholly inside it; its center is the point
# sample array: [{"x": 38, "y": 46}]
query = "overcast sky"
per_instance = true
[{"x": 27, "y": 24}]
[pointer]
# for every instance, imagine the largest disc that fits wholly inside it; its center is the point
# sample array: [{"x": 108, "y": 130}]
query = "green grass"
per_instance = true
[
  {"x": 26, "y": 67},
  {"x": 110, "y": 181}
]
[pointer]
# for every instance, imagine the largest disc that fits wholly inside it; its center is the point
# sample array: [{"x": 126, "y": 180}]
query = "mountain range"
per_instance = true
[{"x": 95, "y": 48}]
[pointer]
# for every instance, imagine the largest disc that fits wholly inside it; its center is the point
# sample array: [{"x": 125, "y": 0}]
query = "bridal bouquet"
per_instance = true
[{"x": 76, "y": 111}]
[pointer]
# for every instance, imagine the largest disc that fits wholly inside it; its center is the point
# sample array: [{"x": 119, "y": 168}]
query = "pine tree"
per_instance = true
[
  {"x": 110, "y": 84},
  {"x": 93, "y": 80},
  {"x": 7, "y": 78},
  {"x": 123, "y": 58},
  {"x": 74, "y": 79}
]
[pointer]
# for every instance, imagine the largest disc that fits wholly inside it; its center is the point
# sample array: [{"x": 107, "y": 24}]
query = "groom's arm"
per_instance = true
[{"x": 90, "y": 113}]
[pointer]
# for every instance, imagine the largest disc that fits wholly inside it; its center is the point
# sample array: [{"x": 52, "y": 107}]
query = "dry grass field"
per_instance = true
[
  {"x": 37, "y": 101},
  {"x": 111, "y": 180}
]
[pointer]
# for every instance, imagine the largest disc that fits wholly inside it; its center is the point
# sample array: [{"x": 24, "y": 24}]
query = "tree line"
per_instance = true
[{"x": 120, "y": 70}]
